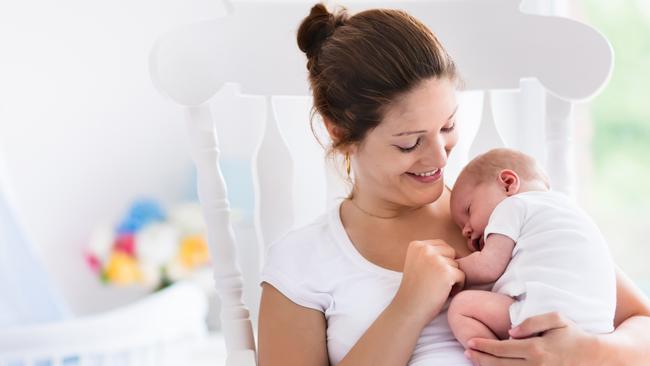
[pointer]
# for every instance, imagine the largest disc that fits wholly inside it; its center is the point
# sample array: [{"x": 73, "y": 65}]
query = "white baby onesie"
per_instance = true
[{"x": 560, "y": 261}]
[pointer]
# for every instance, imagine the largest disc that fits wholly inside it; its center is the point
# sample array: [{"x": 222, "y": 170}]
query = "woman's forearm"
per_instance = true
[
  {"x": 628, "y": 345},
  {"x": 390, "y": 340}
]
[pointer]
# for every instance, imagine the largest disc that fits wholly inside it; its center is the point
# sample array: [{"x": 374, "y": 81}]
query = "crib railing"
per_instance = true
[{"x": 139, "y": 334}]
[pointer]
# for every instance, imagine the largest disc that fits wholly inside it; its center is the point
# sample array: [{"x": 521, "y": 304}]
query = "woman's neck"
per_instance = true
[
  {"x": 379, "y": 210},
  {"x": 370, "y": 233}
]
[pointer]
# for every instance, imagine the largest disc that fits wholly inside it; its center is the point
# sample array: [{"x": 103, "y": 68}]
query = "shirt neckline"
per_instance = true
[{"x": 343, "y": 240}]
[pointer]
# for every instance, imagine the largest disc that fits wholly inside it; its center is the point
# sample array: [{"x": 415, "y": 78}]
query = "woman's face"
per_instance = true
[{"x": 402, "y": 160}]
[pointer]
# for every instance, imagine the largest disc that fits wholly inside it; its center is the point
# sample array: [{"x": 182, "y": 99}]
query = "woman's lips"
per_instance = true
[{"x": 427, "y": 178}]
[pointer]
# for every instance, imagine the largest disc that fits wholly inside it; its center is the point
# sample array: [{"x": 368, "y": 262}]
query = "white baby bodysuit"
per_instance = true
[{"x": 560, "y": 261}]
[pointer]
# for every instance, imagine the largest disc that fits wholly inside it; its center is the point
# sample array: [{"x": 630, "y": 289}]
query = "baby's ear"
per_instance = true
[{"x": 510, "y": 182}]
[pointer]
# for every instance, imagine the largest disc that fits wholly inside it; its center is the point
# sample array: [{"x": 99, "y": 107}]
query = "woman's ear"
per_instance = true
[
  {"x": 510, "y": 181},
  {"x": 336, "y": 134},
  {"x": 333, "y": 130}
]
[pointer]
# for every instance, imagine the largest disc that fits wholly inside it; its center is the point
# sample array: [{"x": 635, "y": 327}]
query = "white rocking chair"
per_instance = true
[{"x": 507, "y": 59}]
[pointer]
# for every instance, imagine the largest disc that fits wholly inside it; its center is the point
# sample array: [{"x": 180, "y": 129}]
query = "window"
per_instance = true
[{"x": 616, "y": 185}]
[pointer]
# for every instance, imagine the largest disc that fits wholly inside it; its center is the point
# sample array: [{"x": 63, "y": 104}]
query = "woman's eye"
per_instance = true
[
  {"x": 450, "y": 128},
  {"x": 408, "y": 149}
]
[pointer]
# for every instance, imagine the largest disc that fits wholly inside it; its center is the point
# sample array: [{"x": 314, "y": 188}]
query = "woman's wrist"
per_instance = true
[{"x": 400, "y": 308}]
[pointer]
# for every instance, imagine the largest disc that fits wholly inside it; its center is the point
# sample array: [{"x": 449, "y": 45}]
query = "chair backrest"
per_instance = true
[{"x": 522, "y": 72}]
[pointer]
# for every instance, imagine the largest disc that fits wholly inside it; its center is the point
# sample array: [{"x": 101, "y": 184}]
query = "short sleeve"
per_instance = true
[
  {"x": 507, "y": 218},
  {"x": 292, "y": 268}
]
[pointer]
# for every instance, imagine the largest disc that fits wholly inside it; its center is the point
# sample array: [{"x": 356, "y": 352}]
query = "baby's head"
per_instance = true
[{"x": 485, "y": 182}]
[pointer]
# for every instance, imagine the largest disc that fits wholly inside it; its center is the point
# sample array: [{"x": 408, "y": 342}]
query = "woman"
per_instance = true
[{"x": 360, "y": 285}]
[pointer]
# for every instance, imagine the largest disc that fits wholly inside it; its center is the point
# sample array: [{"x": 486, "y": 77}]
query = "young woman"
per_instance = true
[{"x": 368, "y": 283}]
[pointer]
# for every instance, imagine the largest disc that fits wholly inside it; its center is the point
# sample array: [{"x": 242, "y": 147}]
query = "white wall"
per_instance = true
[{"x": 82, "y": 129}]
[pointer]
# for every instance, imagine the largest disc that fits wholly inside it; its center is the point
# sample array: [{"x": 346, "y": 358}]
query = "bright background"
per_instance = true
[
  {"x": 82, "y": 128},
  {"x": 84, "y": 132},
  {"x": 616, "y": 188}
]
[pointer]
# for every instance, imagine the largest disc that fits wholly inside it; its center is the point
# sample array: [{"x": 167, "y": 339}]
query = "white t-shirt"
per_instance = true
[
  {"x": 560, "y": 261},
  {"x": 318, "y": 267}
]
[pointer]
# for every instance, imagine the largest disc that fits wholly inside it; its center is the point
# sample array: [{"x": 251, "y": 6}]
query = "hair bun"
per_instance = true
[{"x": 317, "y": 27}]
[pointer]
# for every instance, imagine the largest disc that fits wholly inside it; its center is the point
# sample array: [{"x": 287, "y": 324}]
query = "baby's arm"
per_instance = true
[{"x": 487, "y": 265}]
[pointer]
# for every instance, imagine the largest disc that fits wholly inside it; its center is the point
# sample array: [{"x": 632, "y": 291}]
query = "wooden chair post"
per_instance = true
[
  {"x": 235, "y": 317},
  {"x": 559, "y": 144}
]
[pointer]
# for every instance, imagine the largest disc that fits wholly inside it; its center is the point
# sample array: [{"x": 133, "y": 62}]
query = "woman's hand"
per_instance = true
[
  {"x": 548, "y": 339},
  {"x": 430, "y": 272}
]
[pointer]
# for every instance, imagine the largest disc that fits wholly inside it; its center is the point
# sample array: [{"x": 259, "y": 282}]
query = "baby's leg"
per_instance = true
[{"x": 479, "y": 314}]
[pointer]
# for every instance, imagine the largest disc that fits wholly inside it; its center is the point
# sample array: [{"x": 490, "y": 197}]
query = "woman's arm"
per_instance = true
[
  {"x": 290, "y": 334},
  {"x": 562, "y": 343},
  {"x": 390, "y": 340},
  {"x": 630, "y": 343}
]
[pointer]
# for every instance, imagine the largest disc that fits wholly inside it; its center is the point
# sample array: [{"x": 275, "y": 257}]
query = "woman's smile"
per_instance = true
[{"x": 426, "y": 177}]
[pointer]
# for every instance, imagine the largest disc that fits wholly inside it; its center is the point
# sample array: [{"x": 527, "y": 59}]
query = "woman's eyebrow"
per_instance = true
[
  {"x": 423, "y": 131},
  {"x": 409, "y": 133}
]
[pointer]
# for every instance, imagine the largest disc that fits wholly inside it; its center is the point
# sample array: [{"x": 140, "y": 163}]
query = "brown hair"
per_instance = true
[
  {"x": 359, "y": 65},
  {"x": 487, "y": 166}
]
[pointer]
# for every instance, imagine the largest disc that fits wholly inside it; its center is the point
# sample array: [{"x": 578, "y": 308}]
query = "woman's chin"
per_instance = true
[{"x": 425, "y": 196}]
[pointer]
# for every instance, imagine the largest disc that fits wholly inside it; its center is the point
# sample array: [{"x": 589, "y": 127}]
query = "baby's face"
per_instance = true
[{"x": 471, "y": 207}]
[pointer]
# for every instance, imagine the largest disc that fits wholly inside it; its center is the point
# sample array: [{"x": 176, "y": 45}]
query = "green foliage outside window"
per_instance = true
[{"x": 620, "y": 184}]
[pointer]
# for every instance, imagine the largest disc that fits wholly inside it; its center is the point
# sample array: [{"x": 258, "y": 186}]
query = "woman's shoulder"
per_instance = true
[
  {"x": 317, "y": 229},
  {"x": 306, "y": 241},
  {"x": 302, "y": 264}
]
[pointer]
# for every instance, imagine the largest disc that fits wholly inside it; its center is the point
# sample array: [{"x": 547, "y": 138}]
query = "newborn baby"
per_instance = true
[{"x": 543, "y": 251}]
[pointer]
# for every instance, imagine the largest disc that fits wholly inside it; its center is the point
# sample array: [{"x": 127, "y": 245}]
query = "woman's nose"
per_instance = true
[{"x": 436, "y": 154}]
